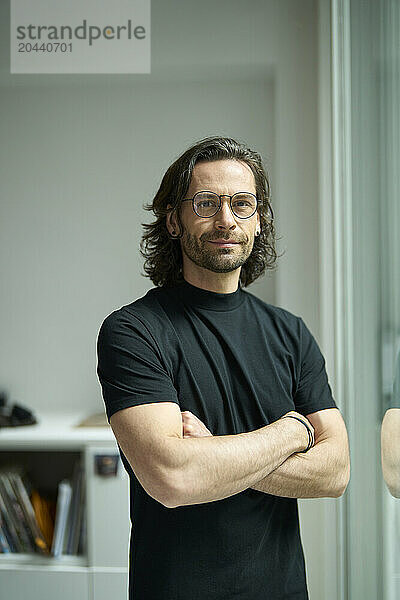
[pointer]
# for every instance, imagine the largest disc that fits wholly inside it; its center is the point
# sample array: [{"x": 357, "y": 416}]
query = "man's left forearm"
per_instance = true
[{"x": 321, "y": 472}]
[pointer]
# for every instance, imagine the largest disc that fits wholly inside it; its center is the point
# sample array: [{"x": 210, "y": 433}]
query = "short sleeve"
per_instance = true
[
  {"x": 129, "y": 365},
  {"x": 313, "y": 391}
]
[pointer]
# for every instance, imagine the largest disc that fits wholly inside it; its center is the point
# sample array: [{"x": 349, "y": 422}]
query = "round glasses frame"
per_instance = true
[{"x": 220, "y": 203}]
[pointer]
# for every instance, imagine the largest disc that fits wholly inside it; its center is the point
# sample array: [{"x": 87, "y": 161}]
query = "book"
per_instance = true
[
  {"x": 19, "y": 482},
  {"x": 4, "y": 545},
  {"x": 15, "y": 515},
  {"x": 45, "y": 513},
  {"x": 30, "y": 523},
  {"x": 8, "y": 526},
  {"x": 63, "y": 504},
  {"x": 83, "y": 535},
  {"x": 76, "y": 509}
]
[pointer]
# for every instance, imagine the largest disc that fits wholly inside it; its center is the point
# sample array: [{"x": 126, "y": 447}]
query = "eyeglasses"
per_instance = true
[{"x": 207, "y": 204}]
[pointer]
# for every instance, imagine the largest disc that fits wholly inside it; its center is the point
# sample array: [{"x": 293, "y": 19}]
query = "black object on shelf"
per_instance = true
[
  {"x": 106, "y": 465},
  {"x": 16, "y": 415}
]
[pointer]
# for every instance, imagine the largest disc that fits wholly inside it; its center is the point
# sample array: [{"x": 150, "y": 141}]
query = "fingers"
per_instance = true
[
  {"x": 187, "y": 413},
  {"x": 190, "y": 417},
  {"x": 193, "y": 426}
]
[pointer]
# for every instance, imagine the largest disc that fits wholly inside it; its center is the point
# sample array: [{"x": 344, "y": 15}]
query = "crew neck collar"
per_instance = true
[{"x": 201, "y": 298}]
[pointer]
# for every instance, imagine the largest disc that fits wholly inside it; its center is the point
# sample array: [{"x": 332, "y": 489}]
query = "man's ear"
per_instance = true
[{"x": 171, "y": 223}]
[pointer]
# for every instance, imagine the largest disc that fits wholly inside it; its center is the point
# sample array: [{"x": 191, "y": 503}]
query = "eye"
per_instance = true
[
  {"x": 242, "y": 203},
  {"x": 206, "y": 201}
]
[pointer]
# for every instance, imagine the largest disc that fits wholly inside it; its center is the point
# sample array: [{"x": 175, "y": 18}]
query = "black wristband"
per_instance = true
[{"x": 310, "y": 435}]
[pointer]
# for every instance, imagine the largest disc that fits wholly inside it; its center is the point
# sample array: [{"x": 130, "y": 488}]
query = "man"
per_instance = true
[{"x": 220, "y": 402}]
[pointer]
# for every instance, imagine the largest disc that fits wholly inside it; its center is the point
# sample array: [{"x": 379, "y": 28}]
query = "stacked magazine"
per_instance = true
[{"x": 31, "y": 523}]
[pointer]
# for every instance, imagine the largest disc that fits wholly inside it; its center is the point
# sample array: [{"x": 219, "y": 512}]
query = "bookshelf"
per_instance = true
[{"x": 48, "y": 452}]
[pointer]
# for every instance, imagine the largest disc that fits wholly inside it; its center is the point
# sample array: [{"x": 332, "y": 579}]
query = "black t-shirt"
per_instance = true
[{"x": 238, "y": 364}]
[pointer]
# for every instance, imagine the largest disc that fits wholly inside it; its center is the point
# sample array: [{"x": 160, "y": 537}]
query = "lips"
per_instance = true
[
  {"x": 224, "y": 244},
  {"x": 219, "y": 241}
]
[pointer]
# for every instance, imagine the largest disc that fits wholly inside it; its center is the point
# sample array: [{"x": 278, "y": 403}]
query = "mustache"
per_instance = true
[{"x": 226, "y": 238}]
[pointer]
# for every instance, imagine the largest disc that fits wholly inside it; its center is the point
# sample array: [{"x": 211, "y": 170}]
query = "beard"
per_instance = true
[{"x": 219, "y": 260}]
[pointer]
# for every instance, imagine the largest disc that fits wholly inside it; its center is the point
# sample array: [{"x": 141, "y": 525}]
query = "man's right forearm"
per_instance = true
[{"x": 216, "y": 467}]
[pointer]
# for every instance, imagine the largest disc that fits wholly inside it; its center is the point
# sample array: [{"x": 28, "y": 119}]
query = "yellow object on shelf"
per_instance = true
[{"x": 96, "y": 420}]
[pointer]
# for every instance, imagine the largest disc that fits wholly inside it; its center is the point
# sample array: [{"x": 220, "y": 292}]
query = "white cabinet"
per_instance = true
[
  {"x": 21, "y": 583},
  {"x": 107, "y": 500},
  {"x": 48, "y": 451},
  {"x": 109, "y": 585}
]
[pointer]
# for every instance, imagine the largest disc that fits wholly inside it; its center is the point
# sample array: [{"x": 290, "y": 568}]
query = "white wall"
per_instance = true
[
  {"x": 79, "y": 165},
  {"x": 81, "y": 154}
]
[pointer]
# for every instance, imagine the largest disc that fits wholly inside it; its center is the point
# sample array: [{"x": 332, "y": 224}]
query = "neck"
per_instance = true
[{"x": 222, "y": 283}]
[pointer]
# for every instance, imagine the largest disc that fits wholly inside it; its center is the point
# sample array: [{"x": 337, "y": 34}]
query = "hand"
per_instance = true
[
  {"x": 304, "y": 420},
  {"x": 192, "y": 426}
]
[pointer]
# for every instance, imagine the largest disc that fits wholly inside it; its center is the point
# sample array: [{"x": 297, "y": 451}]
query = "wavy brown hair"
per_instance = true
[{"x": 163, "y": 254}]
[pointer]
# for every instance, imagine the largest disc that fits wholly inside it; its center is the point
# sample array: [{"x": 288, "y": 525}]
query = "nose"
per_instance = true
[{"x": 225, "y": 219}]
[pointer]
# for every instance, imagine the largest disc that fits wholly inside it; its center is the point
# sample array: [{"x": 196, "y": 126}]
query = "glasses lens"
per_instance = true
[
  {"x": 244, "y": 205},
  {"x": 206, "y": 204}
]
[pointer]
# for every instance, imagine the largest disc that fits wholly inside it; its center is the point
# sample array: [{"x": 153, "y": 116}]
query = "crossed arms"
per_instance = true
[
  {"x": 178, "y": 470},
  {"x": 323, "y": 471}
]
